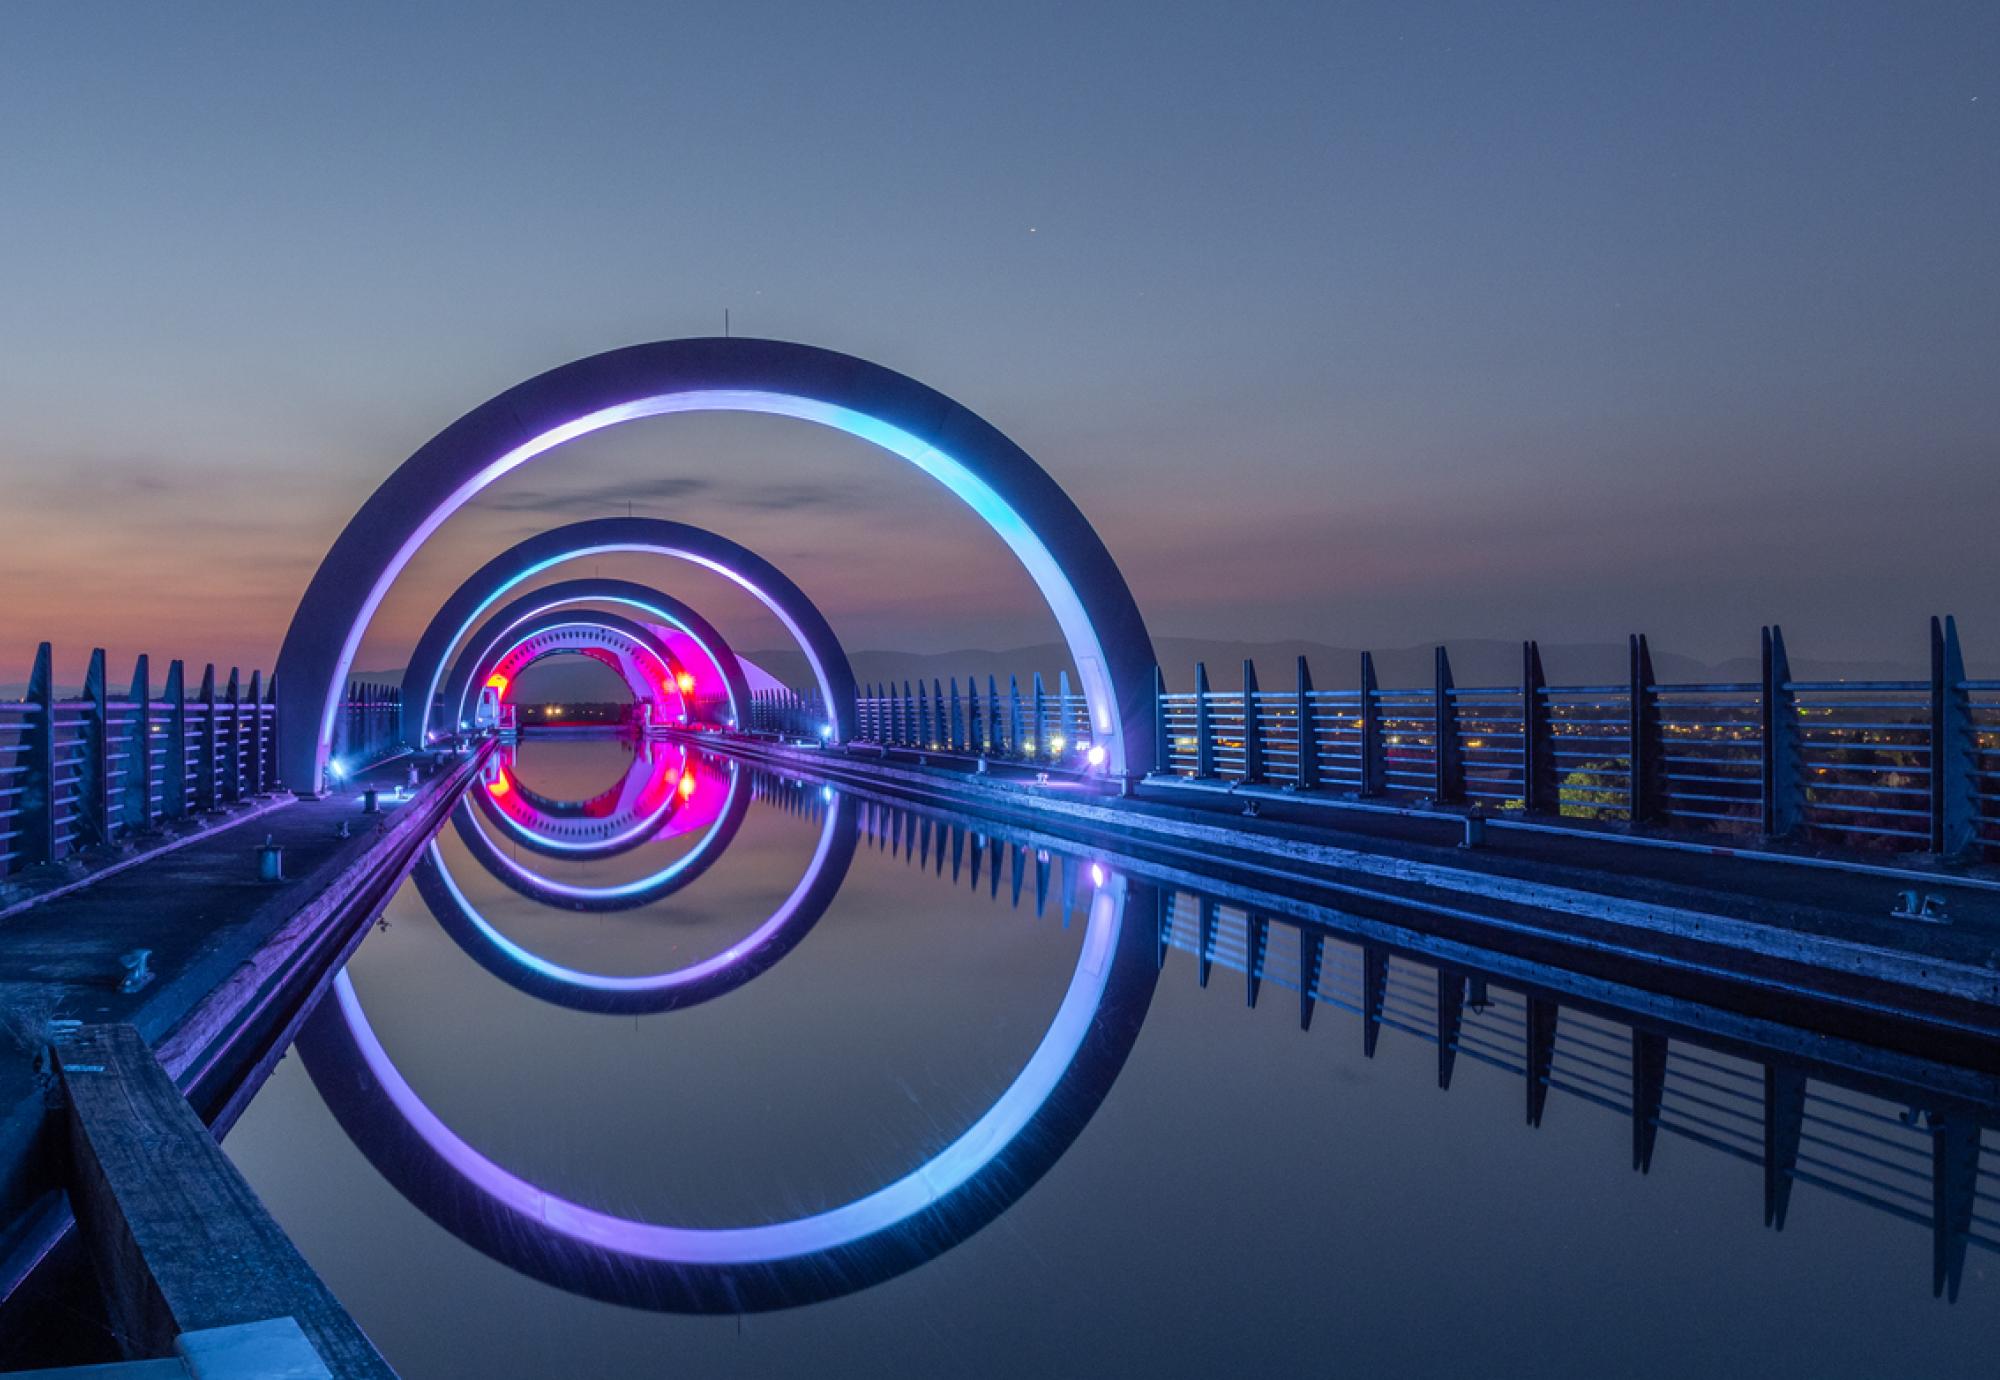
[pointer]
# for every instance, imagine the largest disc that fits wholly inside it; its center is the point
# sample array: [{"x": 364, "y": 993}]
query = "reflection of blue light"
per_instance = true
[
  {"x": 885, "y": 1208},
  {"x": 652, "y": 982},
  {"x": 607, "y": 893}
]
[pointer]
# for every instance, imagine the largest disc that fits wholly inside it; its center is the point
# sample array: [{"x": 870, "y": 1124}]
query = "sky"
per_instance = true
[{"x": 1366, "y": 323}]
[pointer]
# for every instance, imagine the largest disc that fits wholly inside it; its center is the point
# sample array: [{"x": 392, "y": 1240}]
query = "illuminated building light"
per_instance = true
[{"x": 1056, "y": 742}]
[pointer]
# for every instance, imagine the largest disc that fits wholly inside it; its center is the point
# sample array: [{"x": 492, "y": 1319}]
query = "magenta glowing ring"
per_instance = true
[
  {"x": 689, "y": 977},
  {"x": 629, "y": 648},
  {"x": 645, "y": 821},
  {"x": 618, "y": 896},
  {"x": 493, "y": 1196},
  {"x": 540, "y": 977},
  {"x": 1055, "y": 543},
  {"x": 594, "y": 591}
]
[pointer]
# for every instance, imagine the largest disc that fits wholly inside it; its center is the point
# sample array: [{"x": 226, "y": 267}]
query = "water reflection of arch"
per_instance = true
[
  {"x": 721, "y": 820},
  {"x": 918, "y": 1216},
  {"x": 639, "y": 655},
  {"x": 727, "y": 679},
  {"x": 687, "y": 985},
  {"x": 660, "y": 794}
]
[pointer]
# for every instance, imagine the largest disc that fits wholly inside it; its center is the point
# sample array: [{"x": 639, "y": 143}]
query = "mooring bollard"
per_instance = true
[
  {"x": 1475, "y": 831},
  {"x": 270, "y": 861},
  {"x": 370, "y": 801}
]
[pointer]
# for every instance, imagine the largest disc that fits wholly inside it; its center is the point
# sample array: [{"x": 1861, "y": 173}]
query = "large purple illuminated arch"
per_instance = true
[
  {"x": 960, "y": 1189},
  {"x": 727, "y": 672},
  {"x": 597, "y": 536},
  {"x": 638, "y": 654},
  {"x": 1015, "y": 496}
]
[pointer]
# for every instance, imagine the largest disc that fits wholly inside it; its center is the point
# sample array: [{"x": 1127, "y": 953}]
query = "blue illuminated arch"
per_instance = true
[
  {"x": 627, "y": 594},
  {"x": 602, "y": 536},
  {"x": 1015, "y": 496}
]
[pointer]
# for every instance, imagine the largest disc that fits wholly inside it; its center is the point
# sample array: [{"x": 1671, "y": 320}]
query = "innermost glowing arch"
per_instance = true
[{"x": 1024, "y": 506}]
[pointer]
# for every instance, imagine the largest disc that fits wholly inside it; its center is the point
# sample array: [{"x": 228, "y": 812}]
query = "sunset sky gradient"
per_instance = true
[{"x": 1371, "y": 324}]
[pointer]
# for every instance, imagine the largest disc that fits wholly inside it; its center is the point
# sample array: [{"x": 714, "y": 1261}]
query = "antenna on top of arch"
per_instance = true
[{"x": 725, "y": 323}]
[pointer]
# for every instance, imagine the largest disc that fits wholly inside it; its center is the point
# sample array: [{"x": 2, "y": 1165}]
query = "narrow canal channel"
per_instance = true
[{"x": 662, "y": 1064}]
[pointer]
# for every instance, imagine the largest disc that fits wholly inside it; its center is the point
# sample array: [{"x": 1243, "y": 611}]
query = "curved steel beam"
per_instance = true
[
  {"x": 588, "y": 632},
  {"x": 626, "y": 593},
  {"x": 594, "y": 536},
  {"x": 1028, "y": 510}
]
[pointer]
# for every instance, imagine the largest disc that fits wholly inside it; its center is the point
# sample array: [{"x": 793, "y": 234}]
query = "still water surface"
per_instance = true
[{"x": 641, "y": 1015}]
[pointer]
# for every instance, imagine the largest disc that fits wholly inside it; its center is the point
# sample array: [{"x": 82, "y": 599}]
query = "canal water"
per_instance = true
[{"x": 662, "y": 1065}]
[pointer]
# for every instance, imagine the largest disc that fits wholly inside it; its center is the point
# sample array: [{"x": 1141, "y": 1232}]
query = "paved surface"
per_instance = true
[{"x": 202, "y": 912}]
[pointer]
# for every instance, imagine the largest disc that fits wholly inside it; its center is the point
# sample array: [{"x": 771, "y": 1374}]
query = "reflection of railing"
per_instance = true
[
  {"x": 88, "y": 770},
  {"x": 1906, "y": 1150}
]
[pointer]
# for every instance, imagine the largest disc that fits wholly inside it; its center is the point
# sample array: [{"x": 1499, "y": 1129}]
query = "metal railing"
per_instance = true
[
  {"x": 1036, "y": 726},
  {"x": 1891, "y": 766},
  {"x": 80, "y": 771}
]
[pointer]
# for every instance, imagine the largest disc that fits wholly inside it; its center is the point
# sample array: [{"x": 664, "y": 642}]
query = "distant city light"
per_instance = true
[{"x": 553, "y": 711}]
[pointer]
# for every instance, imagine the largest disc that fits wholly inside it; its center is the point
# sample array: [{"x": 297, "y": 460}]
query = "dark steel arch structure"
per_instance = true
[
  {"x": 627, "y": 594},
  {"x": 594, "y": 536},
  {"x": 1028, "y": 510}
]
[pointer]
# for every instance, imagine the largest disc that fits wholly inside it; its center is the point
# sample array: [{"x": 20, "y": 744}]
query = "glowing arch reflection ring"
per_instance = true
[{"x": 778, "y": 1264}]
